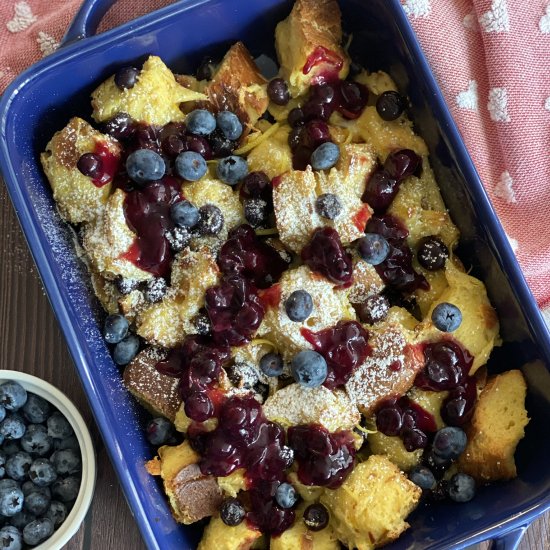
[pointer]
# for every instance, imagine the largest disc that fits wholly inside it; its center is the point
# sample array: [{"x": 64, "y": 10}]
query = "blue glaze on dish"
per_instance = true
[{"x": 43, "y": 98}]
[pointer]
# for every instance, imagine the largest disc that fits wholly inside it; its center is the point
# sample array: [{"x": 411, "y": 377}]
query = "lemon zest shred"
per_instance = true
[{"x": 257, "y": 140}]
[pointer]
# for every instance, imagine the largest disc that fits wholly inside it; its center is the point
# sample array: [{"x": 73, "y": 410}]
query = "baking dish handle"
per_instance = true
[
  {"x": 86, "y": 20},
  {"x": 510, "y": 540}
]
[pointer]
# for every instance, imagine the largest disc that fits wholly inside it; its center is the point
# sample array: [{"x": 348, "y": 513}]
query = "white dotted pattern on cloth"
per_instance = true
[
  {"x": 417, "y": 8},
  {"x": 22, "y": 19},
  {"x": 496, "y": 19},
  {"x": 498, "y": 104},
  {"x": 504, "y": 188},
  {"x": 544, "y": 23},
  {"x": 47, "y": 43},
  {"x": 468, "y": 99}
]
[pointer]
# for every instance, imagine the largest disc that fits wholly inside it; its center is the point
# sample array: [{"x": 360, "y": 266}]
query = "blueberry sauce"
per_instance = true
[
  {"x": 327, "y": 65},
  {"x": 108, "y": 164},
  {"x": 344, "y": 347},
  {"x": 325, "y": 459}
]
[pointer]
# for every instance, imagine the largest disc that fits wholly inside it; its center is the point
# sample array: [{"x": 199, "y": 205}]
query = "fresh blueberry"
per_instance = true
[
  {"x": 126, "y": 77},
  {"x": 42, "y": 472},
  {"x": 58, "y": 426},
  {"x": 11, "y": 500},
  {"x": 390, "y": 105},
  {"x": 449, "y": 443},
  {"x": 316, "y": 517},
  {"x": 66, "y": 489},
  {"x": 286, "y": 496},
  {"x": 256, "y": 212},
  {"x": 17, "y": 465},
  {"x": 70, "y": 442},
  {"x": 36, "y": 409},
  {"x": 328, "y": 206},
  {"x": 12, "y": 395},
  {"x": 10, "y": 538},
  {"x": 57, "y": 512},
  {"x": 2, "y": 412},
  {"x": 271, "y": 364},
  {"x": 36, "y": 440},
  {"x": 144, "y": 166},
  {"x": 126, "y": 350},
  {"x": 325, "y": 156},
  {"x": 126, "y": 285},
  {"x": 200, "y": 122},
  {"x": 38, "y": 531},
  {"x": 66, "y": 461},
  {"x": 373, "y": 248},
  {"x": 29, "y": 487},
  {"x": 185, "y": 214},
  {"x": 446, "y": 317},
  {"x": 232, "y": 512},
  {"x": 159, "y": 431},
  {"x": 309, "y": 368},
  {"x": 221, "y": 146},
  {"x": 232, "y": 169},
  {"x": 277, "y": 91},
  {"x": 155, "y": 289},
  {"x": 3, "y": 458},
  {"x": 37, "y": 503},
  {"x": 11, "y": 446},
  {"x": 115, "y": 328},
  {"x": 190, "y": 166},
  {"x": 8, "y": 483},
  {"x": 299, "y": 305},
  {"x": 21, "y": 519},
  {"x": 461, "y": 488},
  {"x": 211, "y": 222},
  {"x": 12, "y": 427},
  {"x": 423, "y": 477},
  {"x": 229, "y": 124}
]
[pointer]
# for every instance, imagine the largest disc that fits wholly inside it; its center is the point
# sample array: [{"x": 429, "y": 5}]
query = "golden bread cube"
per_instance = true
[
  {"x": 309, "y": 493},
  {"x": 308, "y": 44},
  {"x": 296, "y": 191},
  {"x": 496, "y": 428},
  {"x": 438, "y": 283},
  {"x": 154, "y": 99},
  {"x": 430, "y": 401},
  {"x": 77, "y": 197},
  {"x": 296, "y": 404},
  {"x": 273, "y": 156},
  {"x": 233, "y": 483},
  {"x": 393, "y": 448},
  {"x": 370, "y": 508},
  {"x": 219, "y": 536},
  {"x": 329, "y": 307},
  {"x": 377, "y": 82},
  {"x": 156, "y": 392},
  {"x": 365, "y": 283}
]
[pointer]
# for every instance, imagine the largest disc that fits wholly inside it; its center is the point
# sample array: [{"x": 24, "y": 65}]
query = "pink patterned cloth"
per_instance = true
[{"x": 490, "y": 57}]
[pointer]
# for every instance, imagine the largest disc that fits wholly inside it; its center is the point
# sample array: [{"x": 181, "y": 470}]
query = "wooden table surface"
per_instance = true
[{"x": 31, "y": 341}]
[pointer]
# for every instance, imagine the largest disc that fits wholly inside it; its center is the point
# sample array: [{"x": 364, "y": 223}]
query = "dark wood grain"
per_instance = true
[{"x": 30, "y": 341}]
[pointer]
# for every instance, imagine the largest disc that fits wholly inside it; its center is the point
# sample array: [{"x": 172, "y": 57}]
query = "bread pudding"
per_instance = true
[{"x": 282, "y": 292}]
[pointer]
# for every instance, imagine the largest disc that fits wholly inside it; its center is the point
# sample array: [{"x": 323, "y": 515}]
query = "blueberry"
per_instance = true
[
  {"x": 232, "y": 169},
  {"x": 3, "y": 458},
  {"x": 42, "y": 472},
  {"x": 256, "y": 212},
  {"x": 21, "y": 519},
  {"x": 11, "y": 500},
  {"x": 2, "y": 412},
  {"x": 66, "y": 461},
  {"x": 179, "y": 238},
  {"x": 232, "y": 512},
  {"x": 37, "y": 503},
  {"x": 390, "y": 105},
  {"x": 159, "y": 431},
  {"x": 446, "y": 317},
  {"x": 29, "y": 487},
  {"x": 461, "y": 488},
  {"x": 8, "y": 483},
  {"x": 373, "y": 248},
  {"x": 36, "y": 440},
  {"x": 271, "y": 364},
  {"x": 126, "y": 285},
  {"x": 66, "y": 489},
  {"x": 155, "y": 289},
  {"x": 325, "y": 156},
  {"x": 38, "y": 531},
  {"x": 12, "y": 427},
  {"x": 328, "y": 206},
  {"x": 200, "y": 122},
  {"x": 449, "y": 443},
  {"x": 57, "y": 512},
  {"x": 144, "y": 166},
  {"x": 126, "y": 350},
  {"x": 185, "y": 214},
  {"x": 316, "y": 517},
  {"x": 36, "y": 409},
  {"x": 121, "y": 126},
  {"x": 12, "y": 395},
  {"x": 90, "y": 165},
  {"x": 10, "y": 538},
  {"x": 17, "y": 465},
  {"x": 432, "y": 253},
  {"x": 58, "y": 426},
  {"x": 191, "y": 166},
  {"x": 277, "y": 91},
  {"x": 423, "y": 477},
  {"x": 115, "y": 328},
  {"x": 309, "y": 368},
  {"x": 126, "y": 77},
  {"x": 286, "y": 496},
  {"x": 70, "y": 442},
  {"x": 221, "y": 146},
  {"x": 11, "y": 446},
  {"x": 211, "y": 221},
  {"x": 229, "y": 124},
  {"x": 299, "y": 305}
]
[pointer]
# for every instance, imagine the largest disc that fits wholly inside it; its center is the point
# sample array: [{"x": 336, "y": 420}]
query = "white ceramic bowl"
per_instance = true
[{"x": 59, "y": 400}]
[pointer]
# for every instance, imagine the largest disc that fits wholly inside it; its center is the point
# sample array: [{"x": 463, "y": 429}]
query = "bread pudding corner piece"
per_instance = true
[
  {"x": 77, "y": 197},
  {"x": 154, "y": 99},
  {"x": 108, "y": 238},
  {"x": 329, "y": 307},
  {"x": 308, "y": 44},
  {"x": 296, "y": 404},
  {"x": 156, "y": 392},
  {"x": 273, "y": 156},
  {"x": 296, "y": 191},
  {"x": 496, "y": 428},
  {"x": 219, "y": 536},
  {"x": 370, "y": 508}
]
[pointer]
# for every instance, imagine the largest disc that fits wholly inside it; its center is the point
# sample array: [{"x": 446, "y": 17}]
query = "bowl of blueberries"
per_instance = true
[{"x": 47, "y": 464}]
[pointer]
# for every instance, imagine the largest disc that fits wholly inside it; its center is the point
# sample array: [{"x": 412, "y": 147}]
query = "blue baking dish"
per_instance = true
[{"x": 42, "y": 100}]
